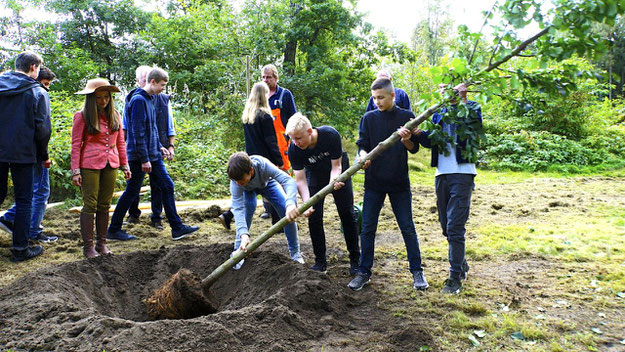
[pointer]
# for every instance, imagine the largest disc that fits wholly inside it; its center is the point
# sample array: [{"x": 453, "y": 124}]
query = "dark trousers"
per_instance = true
[
  {"x": 22, "y": 176},
  {"x": 344, "y": 201},
  {"x": 453, "y": 200},
  {"x": 133, "y": 187},
  {"x": 401, "y": 203},
  {"x": 156, "y": 199}
]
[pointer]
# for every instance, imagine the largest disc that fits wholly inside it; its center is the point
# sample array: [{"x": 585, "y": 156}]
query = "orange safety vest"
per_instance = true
[{"x": 283, "y": 142}]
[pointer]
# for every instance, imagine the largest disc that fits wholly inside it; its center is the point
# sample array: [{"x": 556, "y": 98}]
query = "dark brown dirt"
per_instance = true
[{"x": 271, "y": 304}]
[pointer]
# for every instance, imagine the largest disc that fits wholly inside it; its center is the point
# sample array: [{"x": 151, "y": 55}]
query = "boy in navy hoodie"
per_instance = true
[{"x": 387, "y": 175}]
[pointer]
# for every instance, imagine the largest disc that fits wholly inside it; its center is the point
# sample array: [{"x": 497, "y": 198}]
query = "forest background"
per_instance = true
[{"x": 553, "y": 108}]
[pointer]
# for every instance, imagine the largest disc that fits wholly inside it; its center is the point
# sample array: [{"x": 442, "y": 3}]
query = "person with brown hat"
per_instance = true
[{"x": 98, "y": 149}]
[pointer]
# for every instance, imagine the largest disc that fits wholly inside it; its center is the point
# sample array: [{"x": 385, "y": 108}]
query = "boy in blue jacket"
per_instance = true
[
  {"x": 454, "y": 185},
  {"x": 387, "y": 175}
]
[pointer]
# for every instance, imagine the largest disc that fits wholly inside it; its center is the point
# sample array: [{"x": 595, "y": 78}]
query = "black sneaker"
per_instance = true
[
  {"x": 6, "y": 225},
  {"x": 45, "y": 239},
  {"x": 353, "y": 266},
  {"x": 359, "y": 281},
  {"x": 465, "y": 270},
  {"x": 265, "y": 215},
  {"x": 322, "y": 267},
  {"x": 120, "y": 235},
  {"x": 183, "y": 232},
  {"x": 452, "y": 286},
  {"x": 419, "y": 281},
  {"x": 157, "y": 224},
  {"x": 132, "y": 219},
  {"x": 25, "y": 254},
  {"x": 225, "y": 220}
]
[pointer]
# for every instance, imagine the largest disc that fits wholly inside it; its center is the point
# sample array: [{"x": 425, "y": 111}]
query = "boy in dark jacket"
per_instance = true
[
  {"x": 387, "y": 175},
  {"x": 24, "y": 136}
]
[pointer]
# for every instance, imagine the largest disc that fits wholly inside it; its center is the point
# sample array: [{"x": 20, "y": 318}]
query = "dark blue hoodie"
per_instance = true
[
  {"x": 142, "y": 142},
  {"x": 24, "y": 119}
]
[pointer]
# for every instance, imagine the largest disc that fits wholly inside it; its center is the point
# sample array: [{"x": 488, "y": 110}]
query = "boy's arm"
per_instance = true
[
  {"x": 363, "y": 141},
  {"x": 43, "y": 127},
  {"x": 335, "y": 172},
  {"x": 304, "y": 192},
  {"x": 408, "y": 140},
  {"x": 138, "y": 112},
  {"x": 238, "y": 208}
]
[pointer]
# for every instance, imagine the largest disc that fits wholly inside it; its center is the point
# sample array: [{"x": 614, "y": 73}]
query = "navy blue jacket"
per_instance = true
[
  {"x": 142, "y": 142},
  {"x": 24, "y": 119},
  {"x": 401, "y": 100},
  {"x": 389, "y": 171},
  {"x": 260, "y": 138},
  {"x": 437, "y": 119}
]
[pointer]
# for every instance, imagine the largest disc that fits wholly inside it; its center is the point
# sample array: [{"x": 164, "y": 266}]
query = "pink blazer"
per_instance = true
[{"x": 95, "y": 151}]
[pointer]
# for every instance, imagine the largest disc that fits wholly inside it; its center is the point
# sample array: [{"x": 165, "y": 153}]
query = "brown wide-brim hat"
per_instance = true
[{"x": 97, "y": 84}]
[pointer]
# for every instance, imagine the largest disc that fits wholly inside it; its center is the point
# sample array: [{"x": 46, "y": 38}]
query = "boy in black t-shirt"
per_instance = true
[{"x": 317, "y": 159}]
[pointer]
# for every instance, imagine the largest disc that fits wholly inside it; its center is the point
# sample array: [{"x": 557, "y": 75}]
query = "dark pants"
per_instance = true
[
  {"x": 22, "y": 176},
  {"x": 401, "y": 203},
  {"x": 344, "y": 201},
  {"x": 156, "y": 199},
  {"x": 161, "y": 178},
  {"x": 453, "y": 199}
]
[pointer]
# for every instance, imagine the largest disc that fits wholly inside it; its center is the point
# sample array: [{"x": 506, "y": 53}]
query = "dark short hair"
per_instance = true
[
  {"x": 239, "y": 165},
  {"x": 45, "y": 73},
  {"x": 383, "y": 83},
  {"x": 25, "y": 59},
  {"x": 157, "y": 74}
]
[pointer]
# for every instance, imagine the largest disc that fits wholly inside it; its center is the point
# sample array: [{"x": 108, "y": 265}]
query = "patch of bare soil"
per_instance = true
[{"x": 271, "y": 304}]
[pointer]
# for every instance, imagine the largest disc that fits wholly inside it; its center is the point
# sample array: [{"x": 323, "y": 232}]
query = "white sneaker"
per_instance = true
[
  {"x": 298, "y": 258},
  {"x": 238, "y": 265}
]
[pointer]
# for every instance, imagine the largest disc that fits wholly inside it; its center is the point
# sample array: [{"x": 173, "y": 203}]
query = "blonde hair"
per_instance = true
[
  {"x": 257, "y": 103},
  {"x": 297, "y": 122}
]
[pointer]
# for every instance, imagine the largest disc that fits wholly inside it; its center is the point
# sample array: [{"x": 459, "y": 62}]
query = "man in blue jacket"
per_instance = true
[
  {"x": 145, "y": 153},
  {"x": 24, "y": 136}
]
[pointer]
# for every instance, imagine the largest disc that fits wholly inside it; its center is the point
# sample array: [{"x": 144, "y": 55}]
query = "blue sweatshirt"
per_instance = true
[
  {"x": 142, "y": 140},
  {"x": 389, "y": 171},
  {"x": 264, "y": 170}
]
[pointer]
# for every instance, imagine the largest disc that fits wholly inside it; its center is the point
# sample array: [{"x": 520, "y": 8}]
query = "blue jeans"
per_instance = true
[
  {"x": 156, "y": 199},
  {"x": 41, "y": 193},
  {"x": 276, "y": 197},
  {"x": 453, "y": 199},
  {"x": 22, "y": 176},
  {"x": 401, "y": 203},
  {"x": 133, "y": 187}
]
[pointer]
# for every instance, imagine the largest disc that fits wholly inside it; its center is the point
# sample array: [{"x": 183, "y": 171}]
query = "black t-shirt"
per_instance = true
[{"x": 318, "y": 160}]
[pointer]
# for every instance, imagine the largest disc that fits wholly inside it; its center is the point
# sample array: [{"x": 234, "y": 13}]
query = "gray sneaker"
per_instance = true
[
  {"x": 359, "y": 281},
  {"x": 420, "y": 283},
  {"x": 297, "y": 257}
]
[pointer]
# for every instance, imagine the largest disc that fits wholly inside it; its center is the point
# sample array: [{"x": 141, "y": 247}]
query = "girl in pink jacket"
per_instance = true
[{"x": 98, "y": 150}]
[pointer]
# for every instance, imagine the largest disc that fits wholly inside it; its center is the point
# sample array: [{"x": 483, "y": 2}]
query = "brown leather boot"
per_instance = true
[
  {"x": 86, "y": 231},
  {"x": 101, "y": 226}
]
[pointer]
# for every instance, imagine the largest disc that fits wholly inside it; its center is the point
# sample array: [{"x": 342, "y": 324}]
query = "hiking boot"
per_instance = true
[
  {"x": 120, "y": 235},
  {"x": 420, "y": 283},
  {"x": 322, "y": 267},
  {"x": 297, "y": 257},
  {"x": 225, "y": 220},
  {"x": 183, "y": 232},
  {"x": 132, "y": 219},
  {"x": 45, "y": 239},
  {"x": 359, "y": 281},
  {"x": 20, "y": 255},
  {"x": 157, "y": 224},
  {"x": 465, "y": 270},
  {"x": 6, "y": 225},
  {"x": 353, "y": 266},
  {"x": 452, "y": 286}
]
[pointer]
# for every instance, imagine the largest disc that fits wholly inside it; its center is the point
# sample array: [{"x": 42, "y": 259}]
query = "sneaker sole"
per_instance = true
[
  {"x": 421, "y": 288},
  {"x": 5, "y": 228},
  {"x": 184, "y": 235},
  {"x": 452, "y": 292},
  {"x": 361, "y": 287}
]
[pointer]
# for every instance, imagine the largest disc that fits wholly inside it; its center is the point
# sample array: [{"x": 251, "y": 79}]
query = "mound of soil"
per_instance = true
[{"x": 271, "y": 304}]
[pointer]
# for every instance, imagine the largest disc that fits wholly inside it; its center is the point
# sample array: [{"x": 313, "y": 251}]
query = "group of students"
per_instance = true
[
  {"x": 317, "y": 159},
  {"x": 102, "y": 144}
]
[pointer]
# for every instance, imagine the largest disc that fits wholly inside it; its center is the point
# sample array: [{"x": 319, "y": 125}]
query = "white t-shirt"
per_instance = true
[{"x": 449, "y": 164}]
